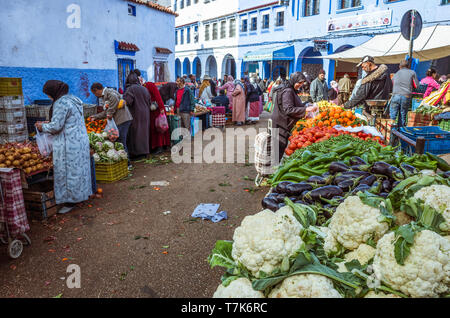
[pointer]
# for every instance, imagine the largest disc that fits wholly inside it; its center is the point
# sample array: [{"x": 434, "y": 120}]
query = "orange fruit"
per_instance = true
[{"x": 99, "y": 190}]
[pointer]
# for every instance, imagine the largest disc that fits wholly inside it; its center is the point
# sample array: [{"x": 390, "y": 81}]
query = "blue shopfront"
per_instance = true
[{"x": 274, "y": 61}]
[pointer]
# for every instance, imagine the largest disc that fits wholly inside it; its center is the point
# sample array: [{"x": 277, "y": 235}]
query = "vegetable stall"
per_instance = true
[{"x": 347, "y": 216}]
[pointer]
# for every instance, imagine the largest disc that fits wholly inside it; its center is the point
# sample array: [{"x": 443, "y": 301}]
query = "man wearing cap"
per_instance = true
[
  {"x": 376, "y": 85},
  {"x": 319, "y": 88}
]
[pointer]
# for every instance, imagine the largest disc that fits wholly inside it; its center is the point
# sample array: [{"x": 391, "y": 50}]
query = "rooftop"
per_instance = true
[{"x": 154, "y": 5}]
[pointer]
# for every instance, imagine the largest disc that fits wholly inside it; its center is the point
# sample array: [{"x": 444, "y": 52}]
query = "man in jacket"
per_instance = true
[
  {"x": 116, "y": 109},
  {"x": 376, "y": 85},
  {"x": 344, "y": 89},
  {"x": 184, "y": 103},
  {"x": 404, "y": 82},
  {"x": 319, "y": 88},
  {"x": 221, "y": 100},
  {"x": 288, "y": 108}
]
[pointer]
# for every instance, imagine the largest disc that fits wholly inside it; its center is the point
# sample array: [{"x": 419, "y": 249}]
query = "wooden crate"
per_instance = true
[
  {"x": 384, "y": 126},
  {"x": 40, "y": 201},
  {"x": 417, "y": 119}
]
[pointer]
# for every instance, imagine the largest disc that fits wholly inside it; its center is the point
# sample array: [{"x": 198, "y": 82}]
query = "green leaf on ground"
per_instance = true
[
  {"x": 212, "y": 190},
  {"x": 58, "y": 296},
  {"x": 224, "y": 184}
]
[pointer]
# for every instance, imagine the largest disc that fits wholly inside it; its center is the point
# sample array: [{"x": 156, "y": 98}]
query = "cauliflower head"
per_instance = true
[
  {"x": 364, "y": 253},
  {"x": 352, "y": 224},
  {"x": 438, "y": 197},
  {"x": 426, "y": 272},
  {"x": 263, "y": 240},
  {"x": 305, "y": 286},
  {"x": 373, "y": 294},
  {"x": 239, "y": 288}
]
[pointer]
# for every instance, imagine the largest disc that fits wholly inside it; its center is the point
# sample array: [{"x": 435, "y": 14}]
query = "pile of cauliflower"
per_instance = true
[
  {"x": 105, "y": 150},
  {"x": 356, "y": 231}
]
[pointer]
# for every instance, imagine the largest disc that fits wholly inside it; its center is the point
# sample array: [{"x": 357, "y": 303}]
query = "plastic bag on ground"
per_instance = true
[
  {"x": 44, "y": 142},
  {"x": 161, "y": 123},
  {"x": 365, "y": 129}
]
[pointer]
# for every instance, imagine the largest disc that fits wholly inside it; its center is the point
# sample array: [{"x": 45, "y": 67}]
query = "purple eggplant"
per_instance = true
[
  {"x": 326, "y": 192},
  {"x": 356, "y": 168},
  {"x": 355, "y": 174},
  {"x": 337, "y": 166},
  {"x": 357, "y": 161},
  {"x": 386, "y": 186},
  {"x": 368, "y": 180},
  {"x": 446, "y": 174},
  {"x": 296, "y": 189},
  {"x": 384, "y": 195},
  {"x": 408, "y": 170},
  {"x": 361, "y": 187},
  {"x": 281, "y": 187},
  {"x": 269, "y": 203},
  {"x": 346, "y": 185},
  {"x": 280, "y": 205},
  {"x": 316, "y": 180},
  {"x": 387, "y": 170}
]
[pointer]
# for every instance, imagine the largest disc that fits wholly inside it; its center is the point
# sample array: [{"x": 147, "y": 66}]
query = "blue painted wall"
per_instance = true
[{"x": 37, "y": 44}]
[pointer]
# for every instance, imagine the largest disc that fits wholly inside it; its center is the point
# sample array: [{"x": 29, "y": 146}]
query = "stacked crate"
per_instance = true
[{"x": 13, "y": 121}]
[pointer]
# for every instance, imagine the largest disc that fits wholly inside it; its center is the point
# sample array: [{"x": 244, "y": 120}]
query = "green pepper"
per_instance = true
[
  {"x": 306, "y": 156},
  {"x": 349, "y": 153},
  {"x": 294, "y": 177},
  {"x": 283, "y": 169},
  {"x": 322, "y": 159},
  {"x": 309, "y": 171},
  {"x": 441, "y": 163},
  {"x": 344, "y": 148}
]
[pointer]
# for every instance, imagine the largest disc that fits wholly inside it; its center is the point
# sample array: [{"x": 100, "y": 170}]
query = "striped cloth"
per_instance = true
[{"x": 12, "y": 209}]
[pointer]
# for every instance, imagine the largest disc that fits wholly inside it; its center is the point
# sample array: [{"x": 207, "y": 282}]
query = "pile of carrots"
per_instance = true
[{"x": 96, "y": 126}]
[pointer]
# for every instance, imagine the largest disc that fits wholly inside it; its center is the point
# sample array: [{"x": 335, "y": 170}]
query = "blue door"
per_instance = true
[{"x": 125, "y": 66}]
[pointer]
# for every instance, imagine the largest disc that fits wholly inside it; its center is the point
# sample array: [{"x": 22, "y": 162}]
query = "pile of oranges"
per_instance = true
[
  {"x": 95, "y": 126},
  {"x": 330, "y": 116}
]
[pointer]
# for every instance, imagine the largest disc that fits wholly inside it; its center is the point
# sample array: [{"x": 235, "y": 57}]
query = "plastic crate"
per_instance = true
[
  {"x": 31, "y": 121},
  {"x": 17, "y": 137},
  {"x": 38, "y": 111},
  {"x": 89, "y": 110},
  {"x": 10, "y": 129},
  {"x": 416, "y": 103},
  {"x": 10, "y": 86},
  {"x": 11, "y": 101},
  {"x": 444, "y": 124},
  {"x": 359, "y": 110},
  {"x": 111, "y": 172},
  {"x": 437, "y": 141},
  {"x": 12, "y": 115}
]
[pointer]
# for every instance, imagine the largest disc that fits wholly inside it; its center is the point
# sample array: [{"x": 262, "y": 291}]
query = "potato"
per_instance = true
[
  {"x": 31, "y": 162},
  {"x": 2, "y": 158},
  {"x": 8, "y": 163},
  {"x": 34, "y": 168},
  {"x": 16, "y": 163},
  {"x": 28, "y": 170},
  {"x": 10, "y": 158},
  {"x": 26, "y": 150},
  {"x": 40, "y": 166},
  {"x": 34, "y": 156}
]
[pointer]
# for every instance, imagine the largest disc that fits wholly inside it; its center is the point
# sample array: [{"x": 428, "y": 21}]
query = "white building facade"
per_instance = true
[{"x": 237, "y": 37}]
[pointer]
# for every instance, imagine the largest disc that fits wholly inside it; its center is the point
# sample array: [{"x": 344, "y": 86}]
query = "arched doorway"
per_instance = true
[
  {"x": 342, "y": 68},
  {"x": 197, "y": 68},
  {"x": 211, "y": 67},
  {"x": 186, "y": 66},
  {"x": 177, "y": 68},
  {"x": 309, "y": 61},
  {"x": 229, "y": 66}
]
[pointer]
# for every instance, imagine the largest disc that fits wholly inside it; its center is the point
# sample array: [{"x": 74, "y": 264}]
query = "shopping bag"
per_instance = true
[
  {"x": 268, "y": 107},
  {"x": 44, "y": 142},
  {"x": 161, "y": 123},
  {"x": 111, "y": 130}
]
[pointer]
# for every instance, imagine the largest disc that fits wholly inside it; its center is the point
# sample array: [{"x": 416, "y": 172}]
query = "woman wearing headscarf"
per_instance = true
[
  {"x": 137, "y": 98},
  {"x": 158, "y": 139},
  {"x": 229, "y": 87},
  {"x": 238, "y": 103},
  {"x": 71, "y": 153},
  {"x": 253, "y": 93},
  {"x": 288, "y": 108},
  {"x": 205, "y": 92}
]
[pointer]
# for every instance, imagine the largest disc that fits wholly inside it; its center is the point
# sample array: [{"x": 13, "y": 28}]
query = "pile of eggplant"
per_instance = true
[{"x": 330, "y": 189}]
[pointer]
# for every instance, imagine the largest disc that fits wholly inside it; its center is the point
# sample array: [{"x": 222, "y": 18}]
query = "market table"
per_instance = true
[{"x": 203, "y": 116}]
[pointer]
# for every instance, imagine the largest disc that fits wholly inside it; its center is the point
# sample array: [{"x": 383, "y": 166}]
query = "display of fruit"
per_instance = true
[
  {"x": 25, "y": 156},
  {"x": 95, "y": 126}
]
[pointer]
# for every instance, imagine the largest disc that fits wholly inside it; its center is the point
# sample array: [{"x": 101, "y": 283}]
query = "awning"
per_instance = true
[
  {"x": 163, "y": 50},
  {"x": 433, "y": 43},
  {"x": 281, "y": 54}
]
